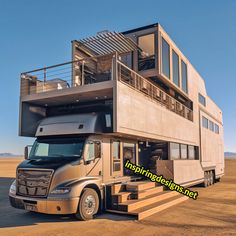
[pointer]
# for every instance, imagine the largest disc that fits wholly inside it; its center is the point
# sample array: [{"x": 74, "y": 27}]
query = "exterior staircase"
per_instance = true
[{"x": 140, "y": 199}]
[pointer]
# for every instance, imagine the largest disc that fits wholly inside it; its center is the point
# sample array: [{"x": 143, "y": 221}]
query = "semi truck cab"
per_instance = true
[{"x": 58, "y": 169}]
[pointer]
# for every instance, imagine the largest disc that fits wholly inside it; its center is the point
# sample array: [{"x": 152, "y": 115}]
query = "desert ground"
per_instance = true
[{"x": 213, "y": 213}]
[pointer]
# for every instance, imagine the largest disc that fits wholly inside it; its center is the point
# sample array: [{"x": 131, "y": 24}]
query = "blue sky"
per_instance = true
[{"x": 34, "y": 34}]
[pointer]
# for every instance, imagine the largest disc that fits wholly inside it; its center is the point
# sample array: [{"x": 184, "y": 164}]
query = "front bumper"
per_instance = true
[{"x": 47, "y": 205}]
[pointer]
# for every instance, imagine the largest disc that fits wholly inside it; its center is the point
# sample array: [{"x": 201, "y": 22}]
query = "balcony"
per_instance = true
[{"x": 92, "y": 75}]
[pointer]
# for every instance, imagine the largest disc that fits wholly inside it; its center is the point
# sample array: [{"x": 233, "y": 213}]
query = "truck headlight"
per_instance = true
[
  {"x": 12, "y": 189},
  {"x": 61, "y": 190}
]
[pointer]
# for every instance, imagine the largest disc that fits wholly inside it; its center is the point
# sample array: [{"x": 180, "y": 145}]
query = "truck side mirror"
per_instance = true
[{"x": 27, "y": 151}]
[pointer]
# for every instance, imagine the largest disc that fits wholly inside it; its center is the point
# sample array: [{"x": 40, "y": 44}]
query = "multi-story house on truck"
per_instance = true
[{"x": 124, "y": 96}]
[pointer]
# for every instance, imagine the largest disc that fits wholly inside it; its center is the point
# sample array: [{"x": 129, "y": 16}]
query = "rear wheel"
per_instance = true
[
  {"x": 211, "y": 177},
  {"x": 88, "y": 205},
  {"x": 206, "y": 179}
]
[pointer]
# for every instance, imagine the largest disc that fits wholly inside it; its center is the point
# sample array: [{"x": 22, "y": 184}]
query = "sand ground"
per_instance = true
[{"x": 213, "y": 213}]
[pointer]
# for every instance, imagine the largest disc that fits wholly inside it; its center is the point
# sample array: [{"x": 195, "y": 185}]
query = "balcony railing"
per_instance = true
[
  {"x": 141, "y": 84},
  {"x": 95, "y": 70},
  {"x": 67, "y": 75}
]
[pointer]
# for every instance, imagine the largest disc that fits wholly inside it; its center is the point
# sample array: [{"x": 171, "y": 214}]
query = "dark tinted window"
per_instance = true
[
  {"x": 146, "y": 57},
  {"x": 205, "y": 122},
  {"x": 202, "y": 99},
  {"x": 184, "y": 77},
  {"x": 175, "y": 67},
  {"x": 165, "y": 58},
  {"x": 211, "y": 125}
]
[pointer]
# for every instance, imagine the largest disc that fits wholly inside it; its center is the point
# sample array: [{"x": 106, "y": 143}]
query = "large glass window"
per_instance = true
[
  {"x": 184, "y": 77},
  {"x": 191, "y": 152},
  {"x": 60, "y": 148},
  {"x": 205, "y": 122},
  {"x": 174, "y": 151},
  {"x": 175, "y": 67},
  {"x": 183, "y": 151},
  {"x": 146, "y": 57},
  {"x": 165, "y": 56}
]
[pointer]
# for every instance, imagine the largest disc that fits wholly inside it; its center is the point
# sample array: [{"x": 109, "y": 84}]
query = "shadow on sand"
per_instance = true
[{"x": 11, "y": 217}]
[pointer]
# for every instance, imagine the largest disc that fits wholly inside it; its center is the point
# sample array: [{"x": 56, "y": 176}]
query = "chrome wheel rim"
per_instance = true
[{"x": 89, "y": 204}]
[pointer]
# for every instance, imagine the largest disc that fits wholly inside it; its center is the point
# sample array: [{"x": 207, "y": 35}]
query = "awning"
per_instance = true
[{"x": 107, "y": 43}]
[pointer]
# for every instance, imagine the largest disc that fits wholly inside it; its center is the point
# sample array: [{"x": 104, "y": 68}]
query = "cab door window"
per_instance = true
[{"x": 94, "y": 151}]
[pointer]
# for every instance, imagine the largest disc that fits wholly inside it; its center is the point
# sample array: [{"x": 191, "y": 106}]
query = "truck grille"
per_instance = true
[{"x": 33, "y": 183}]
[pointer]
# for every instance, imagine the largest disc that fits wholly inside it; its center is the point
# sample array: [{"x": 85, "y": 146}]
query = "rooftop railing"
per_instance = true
[
  {"x": 95, "y": 70},
  {"x": 67, "y": 75}
]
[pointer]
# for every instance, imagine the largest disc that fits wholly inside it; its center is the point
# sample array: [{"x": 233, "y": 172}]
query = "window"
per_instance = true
[
  {"x": 202, "y": 99},
  {"x": 211, "y": 125},
  {"x": 129, "y": 154},
  {"x": 127, "y": 59},
  {"x": 183, "y": 151},
  {"x": 94, "y": 151},
  {"x": 165, "y": 58},
  {"x": 116, "y": 156},
  {"x": 175, "y": 67},
  {"x": 196, "y": 153},
  {"x": 146, "y": 57},
  {"x": 191, "y": 153},
  {"x": 42, "y": 149},
  {"x": 217, "y": 129},
  {"x": 184, "y": 77},
  {"x": 174, "y": 151},
  {"x": 205, "y": 122},
  {"x": 68, "y": 148},
  {"x": 108, "y": 120},
  {"x": 91, "y": 153}
]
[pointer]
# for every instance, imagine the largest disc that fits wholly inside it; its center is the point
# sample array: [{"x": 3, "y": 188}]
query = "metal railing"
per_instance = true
[
  {"x": 141, "y": 84},
  {"x": 67, "y": 75},
  {"x": 94, "y": 70}
]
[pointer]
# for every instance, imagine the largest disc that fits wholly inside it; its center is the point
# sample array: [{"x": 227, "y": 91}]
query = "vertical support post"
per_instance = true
[
  {"x": 115, "y": 67},
  {"x": 82, "y": 81},
  {"x": 44, "y": 77}
]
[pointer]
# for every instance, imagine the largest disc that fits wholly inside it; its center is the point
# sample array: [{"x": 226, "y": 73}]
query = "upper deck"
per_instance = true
[{"x": 144, "y": 60}]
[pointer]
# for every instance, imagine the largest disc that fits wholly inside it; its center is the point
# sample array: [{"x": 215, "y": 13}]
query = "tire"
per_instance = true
[
  {"x": 88, "y": 205},
  {"x": 211, "y": 177},
  {"x": 206, "y": 179}
]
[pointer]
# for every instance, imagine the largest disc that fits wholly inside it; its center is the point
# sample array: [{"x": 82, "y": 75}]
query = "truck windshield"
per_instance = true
[{"x": 57, "y": 148}]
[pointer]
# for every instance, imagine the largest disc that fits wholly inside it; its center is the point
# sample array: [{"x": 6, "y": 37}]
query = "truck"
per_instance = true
[{"x": 125, "y": 96}]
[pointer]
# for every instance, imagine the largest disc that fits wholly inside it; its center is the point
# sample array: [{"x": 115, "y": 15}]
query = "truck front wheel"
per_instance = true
[{"x": 88, "y": 204}]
